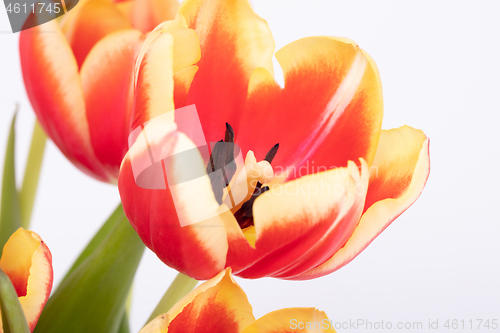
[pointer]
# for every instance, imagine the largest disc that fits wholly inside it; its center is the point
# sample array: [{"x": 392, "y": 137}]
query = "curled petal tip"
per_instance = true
[{"x": 27, "y": 261}]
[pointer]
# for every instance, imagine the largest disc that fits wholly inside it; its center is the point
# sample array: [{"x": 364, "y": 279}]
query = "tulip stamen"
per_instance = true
[
  {"x": 244, "y": 215},
  {"x": 271, "y": 153},
  {"x": 220, "y": 159}
]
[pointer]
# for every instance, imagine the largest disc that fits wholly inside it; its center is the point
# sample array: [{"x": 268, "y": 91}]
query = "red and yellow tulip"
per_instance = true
[
  {"x": 220, "y": 305},
  {"x": 27, "y": 261},
  {"x": 78, "y": 74},
  {"x": 339, "y": 180}
]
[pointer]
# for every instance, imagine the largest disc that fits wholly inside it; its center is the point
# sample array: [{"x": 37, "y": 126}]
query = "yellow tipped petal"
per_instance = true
[
  {"x": 154, "y": 89},
  {"x": 27, "y": 261},
  {"x": 399, "y": 173},
  {"x": 331, "y": 102},
  {"x": 292, "y": 320},
  {"x": 218, "y": 305},
  {"x": 234, "y": 41}
]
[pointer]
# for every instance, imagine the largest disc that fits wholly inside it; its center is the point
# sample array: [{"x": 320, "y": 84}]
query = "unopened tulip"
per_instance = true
[{"x": 78, "y": 74}]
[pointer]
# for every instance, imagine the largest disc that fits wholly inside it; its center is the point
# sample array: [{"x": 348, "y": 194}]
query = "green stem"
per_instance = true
[
  {"x": 10, "y": 219},
  {"x": 124, "y": 326},
  {"x": 92, "y": 297},
  {"x": 13, "y": 318},
  {"x": 180, "y": 287},
  {"x": 32, "y": 174}
]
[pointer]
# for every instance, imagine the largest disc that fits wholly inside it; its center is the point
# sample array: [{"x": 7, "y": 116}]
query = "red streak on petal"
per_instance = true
[{"x": 211, "y": 317}]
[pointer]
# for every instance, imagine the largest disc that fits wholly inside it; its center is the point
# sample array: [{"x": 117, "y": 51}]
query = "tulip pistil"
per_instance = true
[
  {"x": 244, "y": 215},
  {"x": 221, "y": 158}
]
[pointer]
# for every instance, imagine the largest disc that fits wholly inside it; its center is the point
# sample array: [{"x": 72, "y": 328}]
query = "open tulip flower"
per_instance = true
[
  {"x": 78, "y": 74},
  {"x": 27, "y": 261},
  {"x": 323, "y": 178},
  {"x": 220, "y": 305}
]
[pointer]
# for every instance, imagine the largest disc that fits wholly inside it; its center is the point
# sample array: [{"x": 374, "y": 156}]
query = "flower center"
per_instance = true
[{"x": 222, "y": 158}]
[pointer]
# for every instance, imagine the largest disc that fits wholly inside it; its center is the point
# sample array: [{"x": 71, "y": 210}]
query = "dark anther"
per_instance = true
[
  {"x": 229, "y": 135},
  {"x": 221, "y": 159},
  {"x": 271, "y": 153},
  {"x": 244, "y": 215}
]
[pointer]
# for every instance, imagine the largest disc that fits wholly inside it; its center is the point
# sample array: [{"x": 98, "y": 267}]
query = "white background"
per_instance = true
[{"x": 440, "y": 69}]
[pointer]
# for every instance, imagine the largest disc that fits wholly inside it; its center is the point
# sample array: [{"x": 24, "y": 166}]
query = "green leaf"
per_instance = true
[
  {"x": 124, "y": 327},
  {"x": 13, "y": 317},
  {"x": 180, "y": 287},
  {"x": 32, "y": 174},
  {"x": 10, "y": 216},
  {"x": 98, "y": 239},
  {"x": 92, "y": 297}
]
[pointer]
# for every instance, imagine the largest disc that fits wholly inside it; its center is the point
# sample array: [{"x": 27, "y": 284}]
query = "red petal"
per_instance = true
[
  {"x": 300, "y": 224},
  {"x": 90, "y": 22},
  {"x": 53, "y": 85},
  {"x": 154, "y": 86},
  {"x": 329, "y": 112},
  {"x": 170, "y": 214},
  {"x": 170, "y": 50},
  {"x": 234, "y": 41},
  {"x": 107, "y": 80},
  {"x": 147, "y": 14},
  {"x": 218, "y": 305},
  {"x": 399, "y": 173}
]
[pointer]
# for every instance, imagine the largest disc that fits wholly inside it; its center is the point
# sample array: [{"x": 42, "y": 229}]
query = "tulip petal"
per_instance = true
[
  {"x": 171, "y": 207},
  {"x": 186, "y": 52},
  {"x": 147, "y": 14},
  {"x": 177, "y": 217},
  {"x": 218, "y": 305},
  {"x": 300, "y": 224},
  {"x": 154, "y": 87},
  {"x": 234, "y": 41},
  {"x": 28, "y": 263},
  {"x": 329, "y": 112},
  {"x": 90, "y": 22},
  {"x": 186, "y": 44},
  {"x": 182, "y": 82},
  {"x": 53, "y": 85},
  {"x": 107, "y": 81},
  {"x": 180, "y": 45},
  {"x": 157, "y": 325},
  {"x": 399, "y": 173},
  {"x": 292, "y": 320},
  {"x": 399, "y": 155}
]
